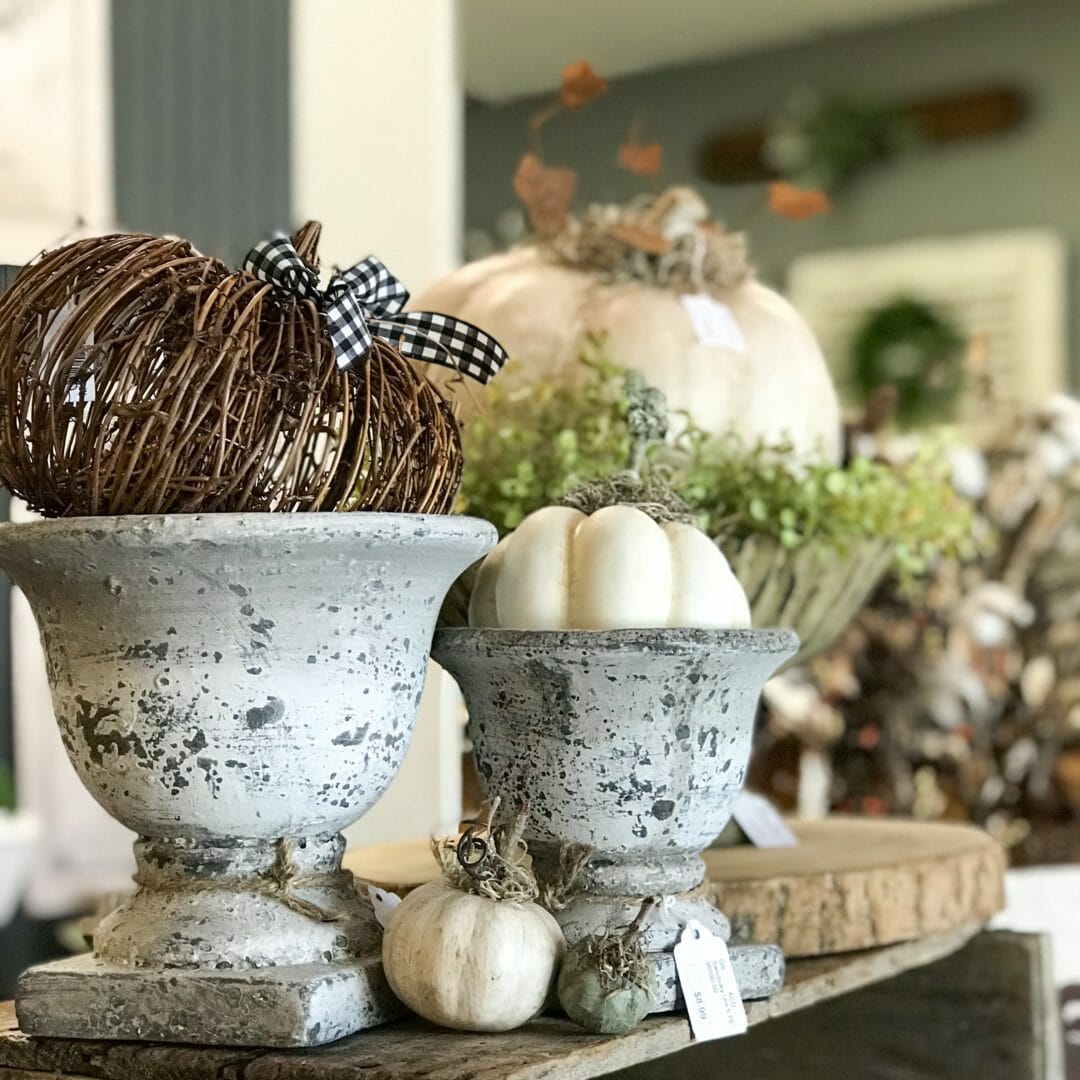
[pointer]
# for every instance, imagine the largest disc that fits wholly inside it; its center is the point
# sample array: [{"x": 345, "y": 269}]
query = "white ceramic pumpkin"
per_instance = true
[
  {"x": 616, "y": 568},
  {"x": 778, "y": 389},
  {"x": 470, "y": 963}
]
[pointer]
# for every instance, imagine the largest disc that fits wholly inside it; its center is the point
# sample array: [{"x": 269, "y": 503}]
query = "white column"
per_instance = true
[
  {"x": 377, "y": 132},
  {"x": 56, "y": 179},
  {"x": 377, "y": 158}
]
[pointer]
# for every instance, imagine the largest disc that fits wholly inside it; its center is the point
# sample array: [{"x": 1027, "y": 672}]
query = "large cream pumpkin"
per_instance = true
[
  {"x": 614, "y": 569},
  {"x": 778, "y": 389}
]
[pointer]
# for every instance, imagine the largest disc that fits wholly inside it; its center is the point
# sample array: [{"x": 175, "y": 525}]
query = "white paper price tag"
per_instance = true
[
  {"x": 383, "y": 903},
  {"x": 713, "y": 322},
  {"x": 761, "y": 821},
  {"x": 707, "y": 979}
]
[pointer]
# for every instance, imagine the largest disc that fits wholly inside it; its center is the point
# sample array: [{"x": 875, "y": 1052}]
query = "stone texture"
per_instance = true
[
  {"x": 236, "y": 689},
  {"x": 283, "y": 1005},
  {"x": 635, "y": 742}
]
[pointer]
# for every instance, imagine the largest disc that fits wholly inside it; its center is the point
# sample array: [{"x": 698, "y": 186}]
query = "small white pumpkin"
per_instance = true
[
  {"x": 616, "y": 568},
  {"x": 471, "y": 963}
]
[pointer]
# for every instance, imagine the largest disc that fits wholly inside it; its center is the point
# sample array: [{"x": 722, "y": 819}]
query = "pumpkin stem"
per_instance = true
[
  {"x": 634, "y": 930},
  {"x": 306, "y": 242},
  {"x": 646, "y": 417},
  {"x": 620, "y": 958},
  {"x": 487, "y": 858}
]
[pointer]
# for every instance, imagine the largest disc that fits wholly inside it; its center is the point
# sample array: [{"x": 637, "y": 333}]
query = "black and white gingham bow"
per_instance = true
[{"x": 365, "y": 302}]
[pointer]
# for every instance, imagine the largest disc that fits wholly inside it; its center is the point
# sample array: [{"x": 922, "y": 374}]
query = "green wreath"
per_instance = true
[{"x": 909, "y": 345}]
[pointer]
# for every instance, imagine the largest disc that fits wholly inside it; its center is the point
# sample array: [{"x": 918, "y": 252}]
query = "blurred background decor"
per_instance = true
[
  {"x": 210, "y": 120},
  {"x": 826, "y": 141},
  {"x": 960, "y": 701},
  {"x": 18, "y": 830},
  {"x": 1004, "y": 294}
]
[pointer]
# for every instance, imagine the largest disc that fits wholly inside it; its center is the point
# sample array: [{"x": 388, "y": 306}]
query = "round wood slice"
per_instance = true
[
  {"x": 852, "y": 883},
  {"x": 857, "y": 883}
]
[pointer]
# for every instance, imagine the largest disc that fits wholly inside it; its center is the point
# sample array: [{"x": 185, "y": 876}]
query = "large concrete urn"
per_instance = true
[
  {"x": 237, "y": 689},
  {"x": 634, "y": 742}
]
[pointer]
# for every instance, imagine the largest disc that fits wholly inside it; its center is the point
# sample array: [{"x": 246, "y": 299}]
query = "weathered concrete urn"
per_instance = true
[
  {"x": 634, "y": 742},
  {"x": 237, "y": 689}
]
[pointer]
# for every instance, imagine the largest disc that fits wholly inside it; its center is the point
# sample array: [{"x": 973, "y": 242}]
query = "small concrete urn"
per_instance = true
[
  {"x": 237, "y": 689},
  {"x": 634, "y": 742}
]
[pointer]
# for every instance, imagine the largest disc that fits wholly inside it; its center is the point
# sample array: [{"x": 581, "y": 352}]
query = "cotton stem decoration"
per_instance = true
[
  {"x": 606, "y": 983},
  {"x": 474, "y": 951}
]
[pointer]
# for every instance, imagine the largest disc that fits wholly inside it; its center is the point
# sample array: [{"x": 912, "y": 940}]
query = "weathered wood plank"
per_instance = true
[
  {"x": 989, "y": 1012},
  {"x": 22, "y": 1074},
  {"x": 414, "y": 1050},
  {"x": 852, "y": 883}
]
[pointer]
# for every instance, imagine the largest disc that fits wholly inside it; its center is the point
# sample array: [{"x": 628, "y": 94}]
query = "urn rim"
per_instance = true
[
  {"x": 260, "y": 524},
  {"x": 665, "y": 639}
]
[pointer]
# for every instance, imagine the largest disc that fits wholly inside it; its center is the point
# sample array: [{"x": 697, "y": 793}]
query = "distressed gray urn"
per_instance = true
[
  {"x": 237, "y": 689},
  {"x": 634, "y": 742}
]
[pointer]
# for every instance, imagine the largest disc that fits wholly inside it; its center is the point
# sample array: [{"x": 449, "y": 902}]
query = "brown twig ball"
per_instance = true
[{"x": 138, "y": 376}]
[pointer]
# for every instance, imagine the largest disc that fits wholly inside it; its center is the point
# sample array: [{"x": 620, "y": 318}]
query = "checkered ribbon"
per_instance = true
[{"x": 365, "y": 303}]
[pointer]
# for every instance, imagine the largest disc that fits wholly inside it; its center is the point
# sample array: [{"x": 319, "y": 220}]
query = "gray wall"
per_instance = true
[
  {"x": 1028, "y": 178},
  {"x": 202, "y": 119}
]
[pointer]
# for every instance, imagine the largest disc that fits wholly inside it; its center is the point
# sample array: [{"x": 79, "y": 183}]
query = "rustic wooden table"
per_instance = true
[
  {"x": 951, "y": 1002},
  {"x": 988, "y": 976}
]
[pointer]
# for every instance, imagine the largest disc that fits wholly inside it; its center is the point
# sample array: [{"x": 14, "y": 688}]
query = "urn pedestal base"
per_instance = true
[
  {"x": 240, "y": 942},
  {"x": 291, "y": 1005}
]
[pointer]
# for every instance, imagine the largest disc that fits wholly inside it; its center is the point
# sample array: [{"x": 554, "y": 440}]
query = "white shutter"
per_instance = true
[{"x": 1006, "y": 289}]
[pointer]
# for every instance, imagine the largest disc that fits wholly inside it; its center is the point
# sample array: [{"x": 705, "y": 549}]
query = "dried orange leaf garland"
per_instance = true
[
  {"x": 139, "y": 376},
  {"x": 796, "y": 203},
  {"x": 642, "y": 159},
  {"x": 580, "y": 85},
  {"x": 546, "y": 191}
]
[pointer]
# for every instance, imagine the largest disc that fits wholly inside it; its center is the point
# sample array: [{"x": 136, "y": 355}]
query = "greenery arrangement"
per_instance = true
[
  {"x": 550, "y": 438},
  {"x": 824, "y": 142},
  {"x": 7, "y": 787}
]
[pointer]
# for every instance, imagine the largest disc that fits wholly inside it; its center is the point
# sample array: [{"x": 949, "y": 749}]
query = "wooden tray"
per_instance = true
[{"x": 852, "y": 883}]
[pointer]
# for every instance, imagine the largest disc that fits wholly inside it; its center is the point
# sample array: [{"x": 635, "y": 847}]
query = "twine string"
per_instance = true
[{"x": 280, "y": 882}]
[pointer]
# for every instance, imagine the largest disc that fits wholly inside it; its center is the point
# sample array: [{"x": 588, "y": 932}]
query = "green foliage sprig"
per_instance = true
[
  {"x": 7, "y": 787},
  {"x": 551, "y": 437},
  {"x": 742, "y": 491},
  {"x": 544, "y": 439}
]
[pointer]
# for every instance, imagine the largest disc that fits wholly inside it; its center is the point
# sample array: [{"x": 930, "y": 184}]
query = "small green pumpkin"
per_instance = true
[{"x": 606, "y": 982}]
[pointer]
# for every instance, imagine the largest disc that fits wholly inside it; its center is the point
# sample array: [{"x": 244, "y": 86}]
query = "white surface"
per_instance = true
[
  {"x": 82, "y": 852},
  {"x": 761, "y": 821},
  {"x": 424, "y": 799},
  {"x": 1009, "y": 289},
  {"x": 17, "y": 834},
  {"x": 1046, "y": 900},
  {"x": 55, "y": 124},
  {"x": 713, "y": 1000},
  {"x": 385, "y": 183},
  {"x": 561, "y": 569},
  {"x": 713, "y": 322},
  {"x": 389, "y": 187},
  {"x": 517, "y": 47}
]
